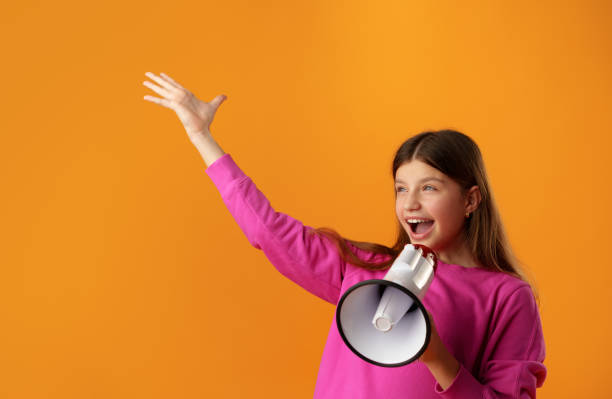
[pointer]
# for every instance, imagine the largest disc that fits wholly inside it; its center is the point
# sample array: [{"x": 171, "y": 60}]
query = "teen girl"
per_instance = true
[{"x": 487, "y": 339}]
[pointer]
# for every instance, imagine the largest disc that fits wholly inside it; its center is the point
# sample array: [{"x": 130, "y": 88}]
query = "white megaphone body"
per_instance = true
[{"x": 384, "y": 321}]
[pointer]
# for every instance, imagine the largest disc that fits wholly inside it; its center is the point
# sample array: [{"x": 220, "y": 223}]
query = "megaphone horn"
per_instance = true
[{"x": 384, "y": 321}]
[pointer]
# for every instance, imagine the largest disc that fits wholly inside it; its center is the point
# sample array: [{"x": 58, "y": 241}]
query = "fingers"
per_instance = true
[
  {"x": 160, "y": 101},
  {"x": 159, "y": 90},
  {"x": 169, "y": 79},
  {"x": 165, "y": 84}
]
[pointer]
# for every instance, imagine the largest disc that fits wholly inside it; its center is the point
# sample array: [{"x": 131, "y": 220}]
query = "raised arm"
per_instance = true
[{"x": 311, "y": 261}]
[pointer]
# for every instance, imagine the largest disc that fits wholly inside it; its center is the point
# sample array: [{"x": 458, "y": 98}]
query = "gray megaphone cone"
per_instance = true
[{"x": 384, "y": 321}]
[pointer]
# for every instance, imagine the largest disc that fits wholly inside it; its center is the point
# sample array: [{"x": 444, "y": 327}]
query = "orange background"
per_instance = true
[{"x": 119, "y": 257}]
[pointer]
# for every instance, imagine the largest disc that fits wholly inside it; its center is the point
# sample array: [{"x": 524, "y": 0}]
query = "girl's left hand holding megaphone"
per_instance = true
[{"x": 437, "y": 358}]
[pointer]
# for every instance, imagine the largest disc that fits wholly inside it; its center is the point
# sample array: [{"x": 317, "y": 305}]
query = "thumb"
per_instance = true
[{"x": 218, "y": 100}]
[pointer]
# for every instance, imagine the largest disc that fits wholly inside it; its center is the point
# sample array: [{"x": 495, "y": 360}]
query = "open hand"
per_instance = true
[{"x": 196, "y": 115}]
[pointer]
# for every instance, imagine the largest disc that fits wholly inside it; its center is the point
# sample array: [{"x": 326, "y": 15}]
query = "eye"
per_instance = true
[{"x": 425, "y": 188}]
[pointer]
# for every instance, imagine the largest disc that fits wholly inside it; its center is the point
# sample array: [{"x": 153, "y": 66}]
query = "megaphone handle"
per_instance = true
[{"x": 428, "y": 251}]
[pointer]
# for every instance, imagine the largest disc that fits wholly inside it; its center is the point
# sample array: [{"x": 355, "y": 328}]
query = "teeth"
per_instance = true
[{"x": 417, "y": 220}]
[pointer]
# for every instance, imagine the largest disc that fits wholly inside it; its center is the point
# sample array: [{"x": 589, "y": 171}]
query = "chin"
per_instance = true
[{"x": 428, "y": 242}]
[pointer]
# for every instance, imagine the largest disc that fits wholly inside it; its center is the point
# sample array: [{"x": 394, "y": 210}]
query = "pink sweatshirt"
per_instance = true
[{"x": 488, "y": 320}]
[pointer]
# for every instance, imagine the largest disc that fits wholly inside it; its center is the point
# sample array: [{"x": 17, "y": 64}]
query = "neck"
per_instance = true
[{"x": 458, "y": 254}]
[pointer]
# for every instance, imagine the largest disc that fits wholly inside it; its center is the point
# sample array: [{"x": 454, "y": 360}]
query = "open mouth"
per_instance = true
[{"x": 421, "y": 228}]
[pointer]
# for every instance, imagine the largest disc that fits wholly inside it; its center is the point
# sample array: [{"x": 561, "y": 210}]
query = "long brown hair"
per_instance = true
[{"x": 457, "y": 156}]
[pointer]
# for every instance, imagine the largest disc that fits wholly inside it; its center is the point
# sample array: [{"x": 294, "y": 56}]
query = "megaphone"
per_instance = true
[{"x": 384, "y": 321}]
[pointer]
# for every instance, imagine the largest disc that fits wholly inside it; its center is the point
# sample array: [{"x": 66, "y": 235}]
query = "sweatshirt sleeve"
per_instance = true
[
  {"x": 311, "y": 261},
  {"x": 515, "y": 368}
]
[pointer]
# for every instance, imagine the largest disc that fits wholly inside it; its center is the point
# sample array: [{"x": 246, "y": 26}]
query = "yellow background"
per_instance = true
[{"x": 121, "y": 266}]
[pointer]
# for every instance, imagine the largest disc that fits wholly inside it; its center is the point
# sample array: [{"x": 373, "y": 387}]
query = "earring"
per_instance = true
[{"x": 467, "y": 214}]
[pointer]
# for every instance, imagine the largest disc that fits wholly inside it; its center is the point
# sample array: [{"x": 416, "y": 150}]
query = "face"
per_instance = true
[{"x": 425, "y": 193}]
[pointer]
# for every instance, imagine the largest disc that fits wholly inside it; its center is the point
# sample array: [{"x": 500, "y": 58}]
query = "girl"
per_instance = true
[{"x": 487, "y": 339}]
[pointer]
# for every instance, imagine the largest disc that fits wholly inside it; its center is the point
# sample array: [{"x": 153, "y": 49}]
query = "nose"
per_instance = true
[{"x": 411, "y": 202}]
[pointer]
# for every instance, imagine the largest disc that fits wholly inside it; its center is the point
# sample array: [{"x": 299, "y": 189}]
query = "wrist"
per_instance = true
[
  {"x": 201, "y": 135},
  {"x": 445, "y": 360},
  {"x": 208, "y": 147},
  {"x": 444, "y": 368}
]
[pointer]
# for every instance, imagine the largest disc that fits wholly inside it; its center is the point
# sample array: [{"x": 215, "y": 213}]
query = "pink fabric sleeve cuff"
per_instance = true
[
  {"x": 463, "y": 386},
  {"x": 222, "y": 171}
]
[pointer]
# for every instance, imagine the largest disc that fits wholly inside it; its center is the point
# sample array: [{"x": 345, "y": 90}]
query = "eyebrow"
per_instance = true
[{"x": 422, "y": 180}]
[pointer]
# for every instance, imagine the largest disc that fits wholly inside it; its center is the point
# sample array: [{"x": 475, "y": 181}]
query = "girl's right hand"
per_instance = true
[{"x": 196, "y": 115}]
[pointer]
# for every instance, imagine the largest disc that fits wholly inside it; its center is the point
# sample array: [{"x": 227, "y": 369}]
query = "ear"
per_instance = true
[{"x": 472, "y": 199}]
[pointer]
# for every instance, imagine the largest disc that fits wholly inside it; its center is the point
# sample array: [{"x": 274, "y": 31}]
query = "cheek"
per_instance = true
[
  {"x": 446, "y": 213},
  {"x": 398, "y": 212}
]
